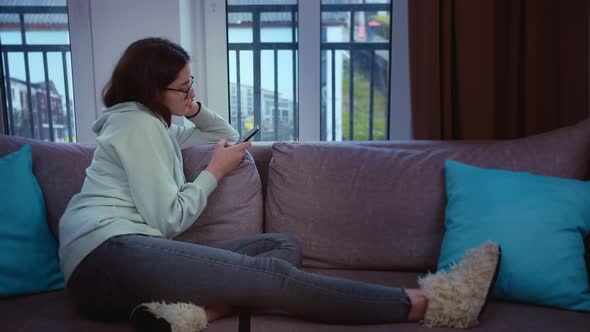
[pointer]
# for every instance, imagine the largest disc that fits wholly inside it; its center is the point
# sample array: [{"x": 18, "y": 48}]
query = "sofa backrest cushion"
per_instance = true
[
  {"x": 234, "y": 210},
  {"x": 262, "y": 153},
  {"x": 381, "y": 206},
  {"x": 60, "y": 169}
]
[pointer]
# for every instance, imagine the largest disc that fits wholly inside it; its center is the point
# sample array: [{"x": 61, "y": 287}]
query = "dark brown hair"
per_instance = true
[{"x": 146, "y": 68}]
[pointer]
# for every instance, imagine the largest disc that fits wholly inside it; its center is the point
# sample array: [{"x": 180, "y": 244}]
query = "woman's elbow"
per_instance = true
[
  {"x": 170, "y": 228},
  {"x": 170, "y": 231}
]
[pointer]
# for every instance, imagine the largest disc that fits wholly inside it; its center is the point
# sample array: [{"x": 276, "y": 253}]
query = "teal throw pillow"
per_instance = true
[
  {"x": 540, "y": 223},
  {"x": 28, "y": 251}
]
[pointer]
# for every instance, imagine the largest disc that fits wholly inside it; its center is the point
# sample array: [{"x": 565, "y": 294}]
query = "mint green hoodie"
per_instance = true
[{"x": 135, "y": 183}]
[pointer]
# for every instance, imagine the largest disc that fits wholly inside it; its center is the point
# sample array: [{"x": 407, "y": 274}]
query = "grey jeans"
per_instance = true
[{"x": 259, "y": 272}]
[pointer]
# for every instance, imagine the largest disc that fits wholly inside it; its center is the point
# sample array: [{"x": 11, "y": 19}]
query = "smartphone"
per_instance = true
[{"x": 250, "y": 134}]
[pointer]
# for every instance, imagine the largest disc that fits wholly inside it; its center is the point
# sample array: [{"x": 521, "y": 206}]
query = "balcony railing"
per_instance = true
[
  {"x": 252, "y": 18},
  {"x": 42, "y": 109},
  {"x": 362, "y": 63},
  {"x": 363, "y": 52}
]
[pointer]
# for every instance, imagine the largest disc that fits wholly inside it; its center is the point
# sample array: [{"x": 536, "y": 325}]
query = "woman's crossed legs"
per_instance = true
[{"x": 259, "y": 272}]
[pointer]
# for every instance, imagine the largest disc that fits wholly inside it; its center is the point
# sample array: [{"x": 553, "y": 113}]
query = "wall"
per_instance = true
[
  {"x": 100, "y": 32},
  {"x": 203, "y": 35},
  {"x": 116, "y": 23}
]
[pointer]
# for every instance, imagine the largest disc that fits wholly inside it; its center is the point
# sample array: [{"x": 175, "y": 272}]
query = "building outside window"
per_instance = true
[{"x": 36, "y": 69}]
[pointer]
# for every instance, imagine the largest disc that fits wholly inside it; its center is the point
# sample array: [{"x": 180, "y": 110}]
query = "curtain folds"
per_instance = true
[{"x": 496, "y": 69}]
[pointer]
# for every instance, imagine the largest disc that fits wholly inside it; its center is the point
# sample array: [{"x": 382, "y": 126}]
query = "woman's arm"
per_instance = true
[
  {"x": 209, "y": 128},
  {"x": 145, "y": 151}
]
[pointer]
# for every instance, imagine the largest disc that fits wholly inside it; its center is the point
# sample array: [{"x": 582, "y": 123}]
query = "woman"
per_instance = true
[{"x": 116, "y": 244}]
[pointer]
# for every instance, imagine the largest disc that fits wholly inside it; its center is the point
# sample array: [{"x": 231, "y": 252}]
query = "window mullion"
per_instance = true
[
  {"x": 86, "y": 104},
  {"x": 309, "y": 69},
  {"x": 400, "y": 118},
  {"x": 216, "y": 76},
  {"x": 257, "y": 53},
  {"x": 10, "y": 111}
]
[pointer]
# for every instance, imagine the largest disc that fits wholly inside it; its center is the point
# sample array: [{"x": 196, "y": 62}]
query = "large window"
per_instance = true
[
  {"x": 37, "y": 92},
  {"x": 354, "y": 68},
  {"x": 262, "y": 54},
  {"x": 355, "y": 45}
]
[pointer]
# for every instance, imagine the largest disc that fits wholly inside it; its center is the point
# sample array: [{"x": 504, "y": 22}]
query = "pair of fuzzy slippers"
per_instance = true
[{"x": 455, "y": 299}]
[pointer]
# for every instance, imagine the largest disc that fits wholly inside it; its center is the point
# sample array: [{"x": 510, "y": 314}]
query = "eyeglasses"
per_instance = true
[{"x": 187, "y": 91}]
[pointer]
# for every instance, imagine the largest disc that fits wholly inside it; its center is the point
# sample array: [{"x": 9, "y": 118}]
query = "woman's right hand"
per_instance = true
[{"x": 225, "y": 158}]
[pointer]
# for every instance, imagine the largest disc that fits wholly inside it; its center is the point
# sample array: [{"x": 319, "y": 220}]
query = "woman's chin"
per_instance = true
[{"x": 183, "y": 112}]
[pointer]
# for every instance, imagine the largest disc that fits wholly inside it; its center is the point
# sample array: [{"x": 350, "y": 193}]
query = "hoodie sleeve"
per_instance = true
[
  {"x": 146, "y": 154},
  {"x": 209, "y": 128}
]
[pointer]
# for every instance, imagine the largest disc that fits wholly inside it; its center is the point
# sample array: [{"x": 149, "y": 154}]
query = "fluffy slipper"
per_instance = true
[
  {"x": 169, "y": 317},
  {"x": 458, "y": 298}
]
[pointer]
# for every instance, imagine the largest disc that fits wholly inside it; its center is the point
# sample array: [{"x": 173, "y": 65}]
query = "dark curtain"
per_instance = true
[{"x": 485, "y": 69}]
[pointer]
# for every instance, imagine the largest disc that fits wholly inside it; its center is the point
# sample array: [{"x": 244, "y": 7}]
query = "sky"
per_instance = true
[{"x": 36, "y": 67}]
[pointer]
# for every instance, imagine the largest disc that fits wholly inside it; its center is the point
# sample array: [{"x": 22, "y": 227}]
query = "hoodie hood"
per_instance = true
[{"x": 131, "y": 106}]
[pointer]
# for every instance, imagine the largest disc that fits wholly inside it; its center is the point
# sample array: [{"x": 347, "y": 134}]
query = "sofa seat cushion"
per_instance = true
[
  {"x": 50, "y": 311},
  {"x": 362, "y": 206},
  {"x": 54, "y": 312},
  {"x": 499, "y": 316}
]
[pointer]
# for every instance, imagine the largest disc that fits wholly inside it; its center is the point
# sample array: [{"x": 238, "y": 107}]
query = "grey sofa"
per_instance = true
[{"x": 371, "y": 211}]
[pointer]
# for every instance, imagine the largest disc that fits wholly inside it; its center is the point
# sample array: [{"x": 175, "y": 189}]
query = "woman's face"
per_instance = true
[{"x": 179, "y": 95}]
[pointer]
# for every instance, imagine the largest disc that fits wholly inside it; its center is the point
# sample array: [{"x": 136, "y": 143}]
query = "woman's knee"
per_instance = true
[
  {"x": 93, "y": 296},
  {"x": 293, "y": 245}
]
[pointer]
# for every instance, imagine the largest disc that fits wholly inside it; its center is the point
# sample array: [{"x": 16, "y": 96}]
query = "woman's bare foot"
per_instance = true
[
  {"x": 218, "y": 311},
  {"x": 419, "y": 304}
]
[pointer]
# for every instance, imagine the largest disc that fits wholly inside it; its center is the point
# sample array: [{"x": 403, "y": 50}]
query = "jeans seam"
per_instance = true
[{"x": 360, "y": 299}]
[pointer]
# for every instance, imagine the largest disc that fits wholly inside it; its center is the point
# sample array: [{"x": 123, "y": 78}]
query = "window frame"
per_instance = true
[
  {"x": 203, "y": 32},
  {"x": 214, "y": 77},
  {"x": 26, "y": 49},
  {"x": 258, "y": 47},
  {"x": 81, "y": 47}
]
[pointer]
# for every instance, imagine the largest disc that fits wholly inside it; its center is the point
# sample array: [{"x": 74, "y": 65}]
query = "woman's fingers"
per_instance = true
[{"x": 241, "y": 146}]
